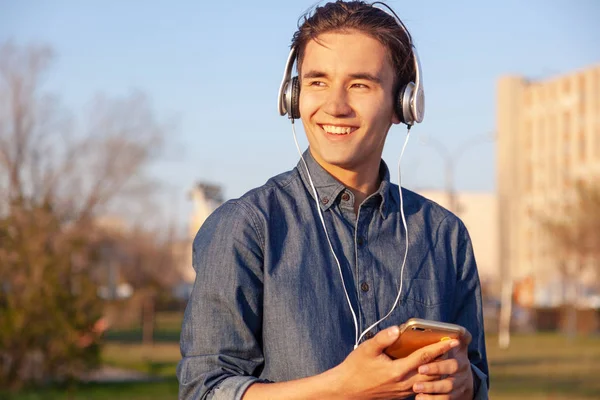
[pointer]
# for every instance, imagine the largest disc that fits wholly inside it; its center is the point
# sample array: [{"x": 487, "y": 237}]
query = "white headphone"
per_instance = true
[{"x": 409, "y": 105}]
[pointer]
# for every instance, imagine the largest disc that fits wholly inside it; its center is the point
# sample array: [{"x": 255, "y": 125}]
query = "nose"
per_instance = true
[{"x": 336, "y": 104}]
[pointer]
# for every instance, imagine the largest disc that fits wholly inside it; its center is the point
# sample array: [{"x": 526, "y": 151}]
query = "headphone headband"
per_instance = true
[{"x": 417, "y": 100}]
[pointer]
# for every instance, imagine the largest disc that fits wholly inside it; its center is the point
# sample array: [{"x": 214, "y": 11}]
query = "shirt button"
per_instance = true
[
  {"x": 360, "y": 241},
  {"x": 369, "y": 335},
  {"x": 345, "y": 197},
  {"x": 324, "y": 200},
  {"x": 364, "y": 287}
]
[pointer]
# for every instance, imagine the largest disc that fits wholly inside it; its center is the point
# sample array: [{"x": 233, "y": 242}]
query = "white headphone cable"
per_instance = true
[
  {"x": 406, "y": 239},
  {"x": 357, "y": 337},
  {"x": 327, "y": 234}
]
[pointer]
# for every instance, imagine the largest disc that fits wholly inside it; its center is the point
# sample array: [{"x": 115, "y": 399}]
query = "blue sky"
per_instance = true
[{"x": 215, "y": 68}]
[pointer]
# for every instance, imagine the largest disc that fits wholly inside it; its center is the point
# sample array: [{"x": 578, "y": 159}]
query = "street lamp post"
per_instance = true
[{"x": 450, "y": 160}]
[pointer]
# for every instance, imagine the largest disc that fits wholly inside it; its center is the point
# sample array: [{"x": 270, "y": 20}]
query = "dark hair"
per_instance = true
[{"x": 366, "y": 18}]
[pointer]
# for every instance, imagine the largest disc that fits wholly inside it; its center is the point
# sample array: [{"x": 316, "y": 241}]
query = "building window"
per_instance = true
[
  {"x": 566, "y": 182},
  {"x": 566, "y": 125},
  {"x": 542, "y": 135},
  {"x": 566, "y": 87},
  {"x": 597, "y": 139},
  {"x": 582, "y": 94},
  {"x": 528, "y": 136},
  {"x": 527, "y": 179},
  {"x": 582, "y": 145},
  {"x": 527, "y": 99}
]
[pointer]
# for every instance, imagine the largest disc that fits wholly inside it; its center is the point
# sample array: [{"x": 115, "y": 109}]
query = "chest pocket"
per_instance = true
[{"x": 428, "y": 293}]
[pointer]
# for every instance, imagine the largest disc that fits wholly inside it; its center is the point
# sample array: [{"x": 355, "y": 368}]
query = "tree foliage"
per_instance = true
[
  {"x": 575, "y": 232},
  {"x": 56, "y": 180}
]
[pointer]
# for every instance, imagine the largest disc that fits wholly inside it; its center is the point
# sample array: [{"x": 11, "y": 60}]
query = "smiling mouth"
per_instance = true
[{"x": 338, "y": 130}]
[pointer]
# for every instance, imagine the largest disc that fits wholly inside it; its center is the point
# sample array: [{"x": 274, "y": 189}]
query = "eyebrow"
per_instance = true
[{"x": 359, "y": 75}]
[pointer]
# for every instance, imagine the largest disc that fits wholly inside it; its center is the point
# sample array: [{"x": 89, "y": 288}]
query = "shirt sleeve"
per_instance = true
[
  {"x": 468, "y": 311},
  {"x": 221, "y": 331}
]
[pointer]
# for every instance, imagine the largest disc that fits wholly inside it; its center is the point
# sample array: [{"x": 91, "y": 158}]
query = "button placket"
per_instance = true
[{"x": 364, "y": 271}]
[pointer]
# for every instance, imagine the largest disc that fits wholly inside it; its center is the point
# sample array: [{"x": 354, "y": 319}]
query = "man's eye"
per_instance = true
[
  {"x": 359, "y": 86},
  {"x": 316, "y": 83}
]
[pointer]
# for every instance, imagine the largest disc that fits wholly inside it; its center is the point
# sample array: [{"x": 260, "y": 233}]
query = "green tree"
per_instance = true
[{"x": 48, "y": 303}]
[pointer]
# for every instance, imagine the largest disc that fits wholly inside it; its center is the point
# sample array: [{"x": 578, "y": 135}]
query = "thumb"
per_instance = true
[{"x": 382, "y": 340}]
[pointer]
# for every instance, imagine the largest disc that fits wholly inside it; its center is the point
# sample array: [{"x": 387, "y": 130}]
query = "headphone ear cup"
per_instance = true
[
  {"x": 399, "y": 104},
  {"x": 295, "y": 104},
  {"x": 405, "y": 97}
]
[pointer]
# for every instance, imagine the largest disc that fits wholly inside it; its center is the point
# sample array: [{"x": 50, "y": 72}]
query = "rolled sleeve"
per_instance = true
[
  {"x": 232, "y": 387},
  {"x": 221, "y": 333}
]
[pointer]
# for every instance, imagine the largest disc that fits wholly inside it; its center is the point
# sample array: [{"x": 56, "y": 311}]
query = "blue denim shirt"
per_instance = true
[{"x": 268, "y": 303}]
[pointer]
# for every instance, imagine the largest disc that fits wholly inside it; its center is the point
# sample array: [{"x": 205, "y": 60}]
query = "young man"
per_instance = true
[{"x": 281, "y": 296}]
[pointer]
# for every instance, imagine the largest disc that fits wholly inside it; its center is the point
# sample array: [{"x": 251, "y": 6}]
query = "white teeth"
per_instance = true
[{"x": 338, "y": 130}]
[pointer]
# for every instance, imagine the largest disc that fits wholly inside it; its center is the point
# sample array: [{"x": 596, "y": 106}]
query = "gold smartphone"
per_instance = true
[{"x": 416, "y": 333}]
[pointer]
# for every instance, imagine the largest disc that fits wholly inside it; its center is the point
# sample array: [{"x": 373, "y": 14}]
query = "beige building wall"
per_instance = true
[
  {"x": 479, "y": 213},
  {"x": 548, "y": 134}
]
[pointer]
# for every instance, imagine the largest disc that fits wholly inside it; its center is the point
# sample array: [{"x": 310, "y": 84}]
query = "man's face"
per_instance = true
[{"x": 346, "y": 100}]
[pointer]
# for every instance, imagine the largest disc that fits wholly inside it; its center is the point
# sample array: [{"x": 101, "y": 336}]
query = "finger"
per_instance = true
[
  {"x": 460, "y": 354},
  {"x": 382, "y": 340},
  {"x": 424, "y": 396},
  {"x": 445, "y": 367},
  {"x": 443, "y": 386},
  {"x": 416, "y": 377},
  {"x": 429, "y": 353}
]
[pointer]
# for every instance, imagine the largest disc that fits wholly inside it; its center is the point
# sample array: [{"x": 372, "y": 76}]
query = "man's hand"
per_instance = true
[
  {"x": 458, "y": 383},
  {"x": 368, "y": 373}
]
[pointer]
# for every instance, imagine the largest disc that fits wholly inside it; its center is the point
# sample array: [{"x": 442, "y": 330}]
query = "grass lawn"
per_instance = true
[
  {"x": 159, "y": 360},
  {"x": 545, "y": 366},
  {"x": 166, "y": 389},
  {"x": 167, "y": 329},
  {"x": 537, "y": 367}
]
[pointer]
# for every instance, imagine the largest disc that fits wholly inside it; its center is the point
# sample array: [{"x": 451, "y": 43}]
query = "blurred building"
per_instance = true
[
  {"x": 206, "y": 197},
  {"x": 479, "y": 212},
  {"x": 548, "y": 137}
]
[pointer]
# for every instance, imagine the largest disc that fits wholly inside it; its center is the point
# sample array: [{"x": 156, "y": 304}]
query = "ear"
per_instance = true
[{"x": 395, "y": 119}]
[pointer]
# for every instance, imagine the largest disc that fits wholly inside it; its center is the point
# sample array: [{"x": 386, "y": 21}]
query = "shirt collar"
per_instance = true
[{"x": 328, "y": 188}]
